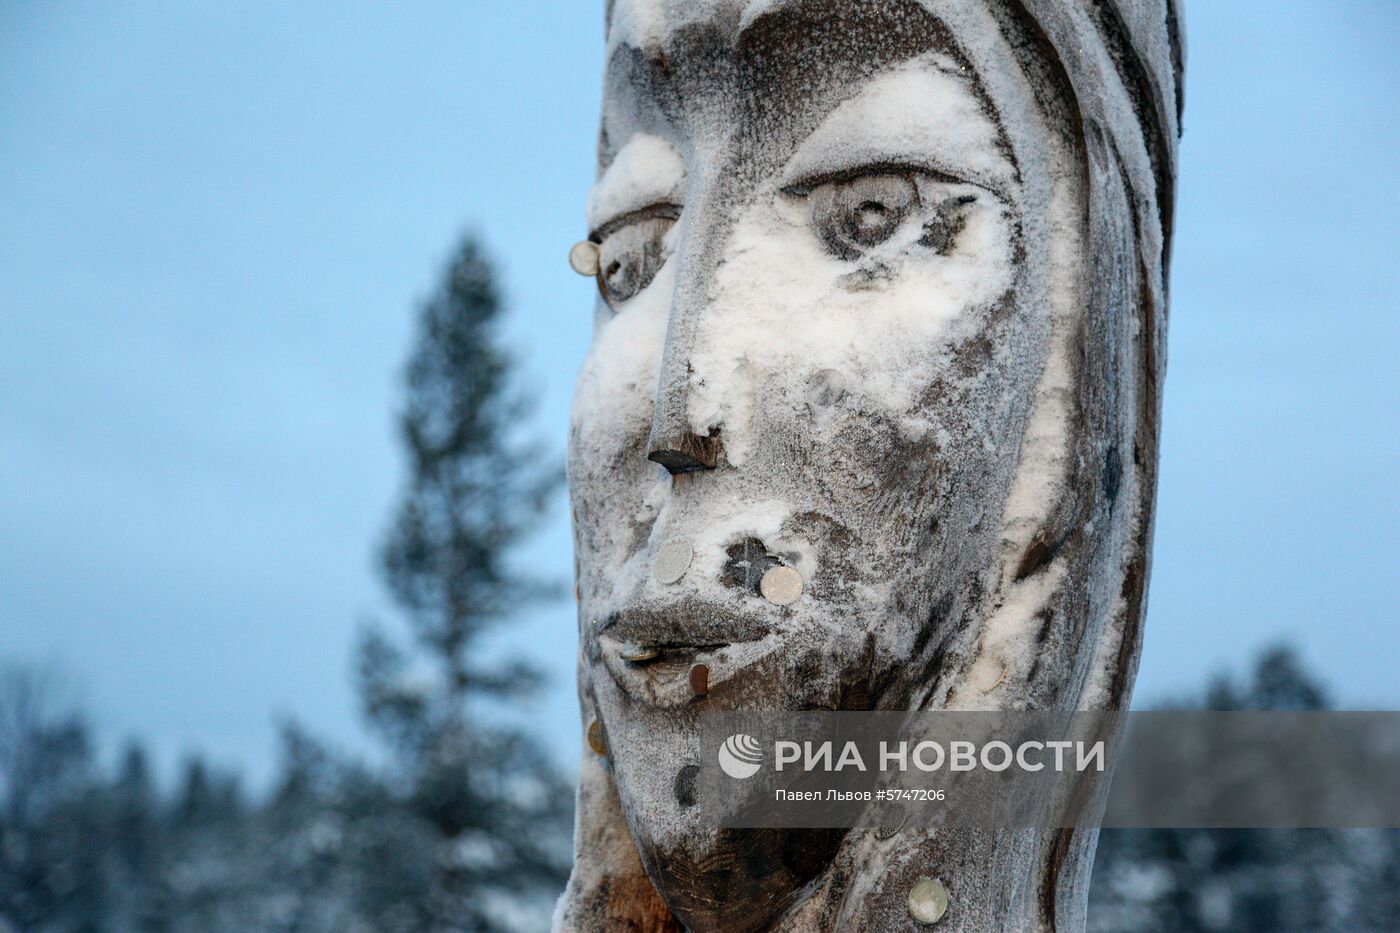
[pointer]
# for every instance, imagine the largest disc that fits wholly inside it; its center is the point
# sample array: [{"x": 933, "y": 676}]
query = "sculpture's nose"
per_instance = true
[
  {"x": 684, "y": 451},
  {"x": 676, "y": 442}
]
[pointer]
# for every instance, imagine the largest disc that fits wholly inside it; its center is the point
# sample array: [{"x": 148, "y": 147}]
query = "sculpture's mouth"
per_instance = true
[{"x": 679, "y": 655}]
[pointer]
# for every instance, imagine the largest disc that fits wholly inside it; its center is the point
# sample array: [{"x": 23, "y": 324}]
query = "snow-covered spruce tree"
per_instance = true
[{"x": 489, "y": 814}]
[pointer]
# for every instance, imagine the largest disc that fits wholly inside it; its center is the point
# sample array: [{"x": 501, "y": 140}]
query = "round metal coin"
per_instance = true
[
  {"x": 700, "y": 679},
  {"x": 928, "y": 900},
  {"x": 673, "y": 561},
  {"x": 781, "y": 585},
  {"x": 583, "y": 257},
  {"x": 595, "y": 738}
]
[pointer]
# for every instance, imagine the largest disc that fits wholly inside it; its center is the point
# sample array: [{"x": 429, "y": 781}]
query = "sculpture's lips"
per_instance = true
[
  {"x": 651, "y": 652},
  {"x": 690, "y": 624}
]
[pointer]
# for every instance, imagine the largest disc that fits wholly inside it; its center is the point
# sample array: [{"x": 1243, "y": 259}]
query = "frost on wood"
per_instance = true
[{"x": 882, "y": 319}]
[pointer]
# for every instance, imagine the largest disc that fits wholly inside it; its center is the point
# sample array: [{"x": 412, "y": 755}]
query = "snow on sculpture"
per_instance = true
[{"x": 869, "y": 421}]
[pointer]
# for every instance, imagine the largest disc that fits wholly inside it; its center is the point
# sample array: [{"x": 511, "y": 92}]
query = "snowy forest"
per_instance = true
[{"x": 462, "y": 822}]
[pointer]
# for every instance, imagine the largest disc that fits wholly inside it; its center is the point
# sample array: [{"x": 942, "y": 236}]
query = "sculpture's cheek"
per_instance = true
[
  {"x": 612, "y": 486},
  {"x": 616, "y": 385},
  {"x": 881, "y": 328}
]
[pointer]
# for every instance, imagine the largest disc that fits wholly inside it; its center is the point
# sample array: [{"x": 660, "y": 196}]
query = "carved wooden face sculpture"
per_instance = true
[{"x": 869, "y": 418}]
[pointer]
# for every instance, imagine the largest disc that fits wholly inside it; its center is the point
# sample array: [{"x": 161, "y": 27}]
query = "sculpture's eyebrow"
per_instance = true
[
  {"x": 764, "y": 80},
  {"x": 723, "y": 16},
  {"x": 922, "y": 114},
  {"x": 659, "y": 31},
  {"x": 646, "y": 173}
]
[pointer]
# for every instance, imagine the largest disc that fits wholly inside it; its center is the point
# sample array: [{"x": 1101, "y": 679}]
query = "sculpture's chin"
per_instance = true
[
  {"x": 711, "y": 879},
  {"x": 739, "y": 880},
  {"x": 654, "y": 669}
]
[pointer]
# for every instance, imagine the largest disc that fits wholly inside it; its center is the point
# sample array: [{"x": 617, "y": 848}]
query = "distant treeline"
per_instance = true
[
  {"x": 1250, "y": 881},
  {"x": 337, "y": 846},
  {"x": 333, "y": 847}
]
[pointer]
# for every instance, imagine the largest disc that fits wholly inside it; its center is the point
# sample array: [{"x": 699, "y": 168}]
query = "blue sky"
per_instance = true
[{"x": 216, "y": 221}]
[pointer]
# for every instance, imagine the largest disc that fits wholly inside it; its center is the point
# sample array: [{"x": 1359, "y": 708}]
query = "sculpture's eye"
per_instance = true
[
  {"x": 631, "y": 250},
  {"x": 903, "y": 208},
  {"x": 851, "y": 216}
]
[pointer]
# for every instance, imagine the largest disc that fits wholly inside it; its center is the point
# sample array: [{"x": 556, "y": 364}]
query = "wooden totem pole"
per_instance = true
[{"x": 869, "y": 422}]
